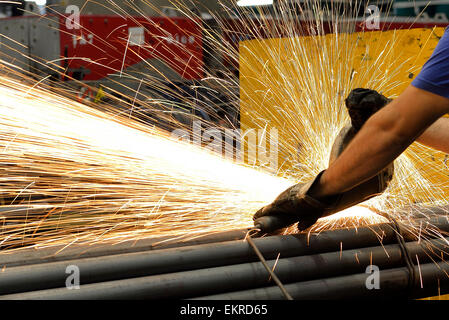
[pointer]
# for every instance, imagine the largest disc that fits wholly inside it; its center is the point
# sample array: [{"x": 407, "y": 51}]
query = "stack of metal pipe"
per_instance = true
[{"x": 328, "y": 265}]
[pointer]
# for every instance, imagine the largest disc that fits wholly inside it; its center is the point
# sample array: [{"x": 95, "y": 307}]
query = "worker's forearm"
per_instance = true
[
  {"x": 374, "y": 147},
  {"x": 383, "y": 138},
  {"x": 437, "y": 135}
]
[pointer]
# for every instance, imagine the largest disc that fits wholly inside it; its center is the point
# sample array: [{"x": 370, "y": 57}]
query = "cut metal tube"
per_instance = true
[
  {"x": 60, "y": 253},
  {"x": 393, "y": 283},
  {"x": 122, "y": 266},
  {"x": 239, "y": 277}
]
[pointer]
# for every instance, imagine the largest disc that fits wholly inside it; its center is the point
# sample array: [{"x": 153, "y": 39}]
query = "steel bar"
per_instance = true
[
  {"x": 60, "y": 253},
  {"x": 239, "y": 277},
  {"x": 129, "y": 265},
  {"x": 393, "y": 283}
]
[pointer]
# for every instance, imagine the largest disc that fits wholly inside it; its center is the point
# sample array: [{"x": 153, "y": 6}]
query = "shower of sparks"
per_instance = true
[{"x": 72, "y": 173}]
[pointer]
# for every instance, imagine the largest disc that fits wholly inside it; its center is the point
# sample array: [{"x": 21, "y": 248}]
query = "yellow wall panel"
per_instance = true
[{"x": 298, "y": 86}]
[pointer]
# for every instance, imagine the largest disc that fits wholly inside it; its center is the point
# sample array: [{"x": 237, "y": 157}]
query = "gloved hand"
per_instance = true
[
  {"x": 296, "y": 203},
  {"x": 292, "y": 205},
  {"x": 362, "y": 104}
]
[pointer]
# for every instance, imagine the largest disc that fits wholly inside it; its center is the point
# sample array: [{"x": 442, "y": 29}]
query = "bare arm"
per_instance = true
[
  {"x": 382, "y": 139},
  {"x": 437, "y": 135}
]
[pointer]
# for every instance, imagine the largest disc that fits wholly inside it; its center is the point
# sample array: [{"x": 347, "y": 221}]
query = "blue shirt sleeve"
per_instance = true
[{"x": 434, "y": 76}]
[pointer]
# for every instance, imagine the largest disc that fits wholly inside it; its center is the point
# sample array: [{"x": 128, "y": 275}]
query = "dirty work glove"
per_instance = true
[
  {"x": 292, "y": 205},
  {"x": 362, "y": 104},
  {"x": 297, "y": 205}
]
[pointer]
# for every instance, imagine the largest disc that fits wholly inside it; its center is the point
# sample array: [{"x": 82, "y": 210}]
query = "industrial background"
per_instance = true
[{"x": 170, "y": 65}]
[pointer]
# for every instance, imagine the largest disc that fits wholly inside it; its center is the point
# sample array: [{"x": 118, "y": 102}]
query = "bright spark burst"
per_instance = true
[{"x": 74, "y": 173}]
